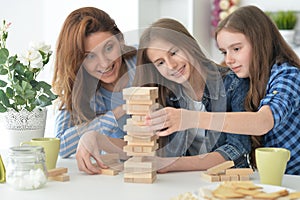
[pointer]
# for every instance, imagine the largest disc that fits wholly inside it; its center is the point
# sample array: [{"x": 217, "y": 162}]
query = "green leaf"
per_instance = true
[
  {"x": 2, "y": 108},
  {"x": 44, "y": 85},
  {"x": 3, "y": 83},
  {"x": 3, "y": 55},
  {"x": 43, "y": 101},
  {"x": 20, "y": 100},
  {"x": 3, "y": 71},
  {"x": 3, "y": 98},
  {"x": 9, "y": 92}
]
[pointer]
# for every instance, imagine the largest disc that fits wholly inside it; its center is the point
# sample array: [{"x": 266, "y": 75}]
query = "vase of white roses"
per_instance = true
[{"x": 23, "y": 99}]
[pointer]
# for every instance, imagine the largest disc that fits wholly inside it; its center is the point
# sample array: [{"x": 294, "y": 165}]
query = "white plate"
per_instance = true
[{"x": 265, "y": 188}]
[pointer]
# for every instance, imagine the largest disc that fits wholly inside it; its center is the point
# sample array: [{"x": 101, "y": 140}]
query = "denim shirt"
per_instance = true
[{"x": 221, "y": 94}]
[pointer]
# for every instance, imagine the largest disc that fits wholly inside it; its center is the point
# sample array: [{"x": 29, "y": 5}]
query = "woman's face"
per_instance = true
[
  {"x": 169, "y": 60},
  {"x": 103, "y": 56},
  {"x": 237, "y": 51}
]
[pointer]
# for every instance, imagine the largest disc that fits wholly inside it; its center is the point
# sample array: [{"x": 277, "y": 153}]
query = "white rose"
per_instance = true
[
  {"x": 32, "y": 58},
  {"x": 224, "y": 4},
  {"x": 40, "y": 46}
]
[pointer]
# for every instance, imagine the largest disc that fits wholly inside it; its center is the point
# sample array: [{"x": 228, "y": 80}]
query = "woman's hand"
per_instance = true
[
  {"x": 169, "y": 120},
  {"x": 88, "y": 148}
]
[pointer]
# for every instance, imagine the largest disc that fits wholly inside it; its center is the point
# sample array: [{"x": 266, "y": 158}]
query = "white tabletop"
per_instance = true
[{"x": 82, "y": 186}]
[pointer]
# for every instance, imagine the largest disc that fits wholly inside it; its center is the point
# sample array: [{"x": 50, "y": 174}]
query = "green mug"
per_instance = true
[
  {"x": 51, "y": 148},
  {"x": 271, "y": 164}
]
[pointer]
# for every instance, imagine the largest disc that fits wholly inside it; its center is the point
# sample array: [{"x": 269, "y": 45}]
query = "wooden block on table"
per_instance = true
[
  {"x": 224, "y": 177},
  {"x": 139, "y": 180},
  {"x": 61, "y": 178},
  {"x": 109, "y": 171},
  {"x": 244, "y": 177},
  {"x": 129, "y": 153},
  {"x": 234, "y": 177},
  {"x": 239, "y": 171},
  {"x": 209, "y": 177},
  {"x": 57, "y": 171},
  {"x": 138, "y": 163},
  {"x": 220, "y": 168}
]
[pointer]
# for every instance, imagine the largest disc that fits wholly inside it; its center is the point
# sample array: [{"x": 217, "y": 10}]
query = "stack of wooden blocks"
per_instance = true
[
  {"x": 225, "y": 172},
  {"x": 141, "y": 141}
]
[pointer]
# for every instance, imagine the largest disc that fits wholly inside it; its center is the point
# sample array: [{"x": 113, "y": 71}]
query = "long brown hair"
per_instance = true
[
  {"x": 70, "y": 54},
  {"x": 268, "y": 48}
]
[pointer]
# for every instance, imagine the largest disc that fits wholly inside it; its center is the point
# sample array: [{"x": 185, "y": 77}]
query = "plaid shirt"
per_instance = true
[
  {"x": 106, "y": 124},
  {"x": 283, "y": 97}
]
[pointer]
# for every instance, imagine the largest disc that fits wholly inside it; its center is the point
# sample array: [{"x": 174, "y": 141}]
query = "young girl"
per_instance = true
[
  {"x": 254, "y": 49},
  {"x": 171, "y": 59},
  {"x": 92, "y": 66}
]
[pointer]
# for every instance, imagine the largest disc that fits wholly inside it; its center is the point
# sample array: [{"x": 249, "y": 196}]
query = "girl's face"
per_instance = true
[
  {"x": 169, "y": 60},
  {"x": 237, "y": 51},
  {"x": 103, "y": 56}
]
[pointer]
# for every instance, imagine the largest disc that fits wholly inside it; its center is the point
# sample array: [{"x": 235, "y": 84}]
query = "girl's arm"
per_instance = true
[
  {"x": 191, "y": 163},
  {"x": 247, "y": 123}
]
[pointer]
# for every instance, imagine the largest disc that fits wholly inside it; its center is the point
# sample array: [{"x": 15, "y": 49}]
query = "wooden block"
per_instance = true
[
  {"x": 150, "y": 174},
  {"x": 209, "y": 177},
  {"x": 134, "y": 164},
  {"x": 138, "y": 129},
  {"x": 134, "y": 133},
  {"x": 62, "y": 178},
  {"x": 140, "y": 139},
  {"x": 141, "y": 154},
  {"x": 220, "y": 168},
  {"x": 224, "y": 177},
  {"x": 143, "y": 102},
  {"x": 239, "y": 171},
  {"x": 109, "y": 171},
  {"x": 57, "y": 171},
  {"x": 244, "y": 177},
  {"x": 140, "y": 180},
  {"x": 138, "y": 118},
  {"x": 234, "y": 177},
  {"x": 141, "y": 91},
  {"x": 140, "y": 109}
]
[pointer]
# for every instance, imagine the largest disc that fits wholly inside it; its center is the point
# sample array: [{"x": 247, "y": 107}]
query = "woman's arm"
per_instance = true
[{"x": 70, "y": 134}]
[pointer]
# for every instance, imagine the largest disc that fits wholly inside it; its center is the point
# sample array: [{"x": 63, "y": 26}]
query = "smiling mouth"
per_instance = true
[
  {"x": 107, "y": 70},
  {"x": 178, "y": 72}
]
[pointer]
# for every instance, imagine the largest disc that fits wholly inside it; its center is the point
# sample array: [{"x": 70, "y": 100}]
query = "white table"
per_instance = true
[{"x": 85, "y": 187}]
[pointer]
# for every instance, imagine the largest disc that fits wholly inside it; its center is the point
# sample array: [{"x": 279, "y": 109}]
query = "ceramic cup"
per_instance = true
[
  {"x": 271, "y": 164},
  {"x": 51, "y": 148}
]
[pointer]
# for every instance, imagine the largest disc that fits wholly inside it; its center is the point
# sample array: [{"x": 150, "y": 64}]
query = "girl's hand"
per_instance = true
[{"x": 169, "y": 120}]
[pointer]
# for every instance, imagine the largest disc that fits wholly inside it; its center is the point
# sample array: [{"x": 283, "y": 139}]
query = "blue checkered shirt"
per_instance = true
[{"x": 283, "y": 97}]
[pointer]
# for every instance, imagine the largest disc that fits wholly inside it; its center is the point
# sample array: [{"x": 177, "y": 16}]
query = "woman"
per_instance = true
[
  {"x": 171, "y": 59},
  {"x": 92, "y": 66}
]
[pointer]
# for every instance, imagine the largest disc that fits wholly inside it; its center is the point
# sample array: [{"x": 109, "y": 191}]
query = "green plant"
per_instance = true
[
  {"x": 284, "y": 20},
  {"x": 19, "y": 88}
]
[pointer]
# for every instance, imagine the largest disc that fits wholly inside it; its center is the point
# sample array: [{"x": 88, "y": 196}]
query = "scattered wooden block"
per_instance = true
[
  {"x": 220, "y": 168},
  {"x": 239, "y": 171},
  {"x": 210, "y": 178},
  {"x": 109, "y": 171},
  {"x": 61, "y": 178},
  {"x": 57, "y": 171}
]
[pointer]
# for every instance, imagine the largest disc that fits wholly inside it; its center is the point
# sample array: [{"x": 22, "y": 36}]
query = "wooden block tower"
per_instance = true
[{"x": 141, "y": 141}]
